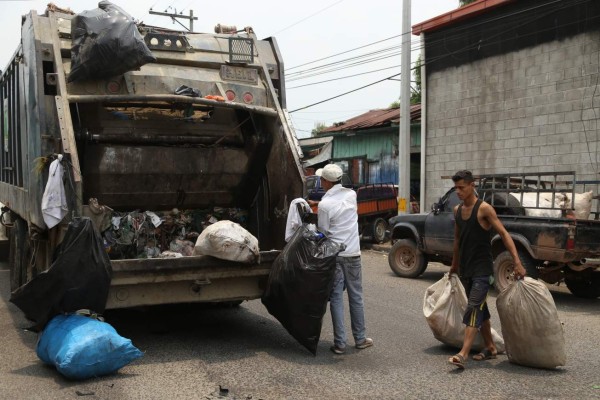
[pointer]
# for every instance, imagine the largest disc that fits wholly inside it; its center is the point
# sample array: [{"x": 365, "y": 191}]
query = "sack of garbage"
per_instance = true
[
  {"x": 444, "y": 306},
  {"x": 300, "y": 283},
  {"x": 106, "y": 43},
  {"x": 81, "y": 347},
  {"x": 228, "y": 241},
  {"x": 530, "y": 325},
  {"x": 79, "y": 277}
]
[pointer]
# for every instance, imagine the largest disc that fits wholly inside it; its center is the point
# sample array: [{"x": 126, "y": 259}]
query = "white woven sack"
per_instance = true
[
  {"x": 228, "y": 241},
  {"x": 530, "y": 325},
  {"x": 444, "y": 306}
]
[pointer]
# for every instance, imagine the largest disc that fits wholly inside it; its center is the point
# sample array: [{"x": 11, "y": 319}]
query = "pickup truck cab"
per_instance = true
[{"x": 551, "y": 248}]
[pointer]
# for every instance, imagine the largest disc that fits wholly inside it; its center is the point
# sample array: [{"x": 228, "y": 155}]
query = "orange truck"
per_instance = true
[{"x": 377, "y": 203}]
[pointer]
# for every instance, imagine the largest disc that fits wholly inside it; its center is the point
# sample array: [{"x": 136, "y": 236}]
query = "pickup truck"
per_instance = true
[
  {"x": 551, "y": 248},
  {"x": 376, "y": 202}
]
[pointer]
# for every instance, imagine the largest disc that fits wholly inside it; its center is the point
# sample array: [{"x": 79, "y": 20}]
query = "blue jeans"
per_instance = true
[{"x": 348, "y": 273}]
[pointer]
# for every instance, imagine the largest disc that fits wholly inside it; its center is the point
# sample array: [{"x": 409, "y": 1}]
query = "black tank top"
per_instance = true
[{"x": 475, "y": 247}]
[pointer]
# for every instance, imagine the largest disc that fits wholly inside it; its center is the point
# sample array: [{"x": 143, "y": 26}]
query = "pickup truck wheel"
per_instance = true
[
  {"x": 379, "y": 227},
  {"x": 504, "y": 267},
  {"x": 406, "y": 260},
  {"x": 586, "y": 286}
]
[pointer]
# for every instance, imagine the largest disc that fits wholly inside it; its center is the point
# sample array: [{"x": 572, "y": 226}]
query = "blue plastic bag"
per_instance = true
[{"x": 81, "y": 347}]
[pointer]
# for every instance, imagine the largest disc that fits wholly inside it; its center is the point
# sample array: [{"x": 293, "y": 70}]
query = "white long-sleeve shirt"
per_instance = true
[{"x": 338, "y": 219}]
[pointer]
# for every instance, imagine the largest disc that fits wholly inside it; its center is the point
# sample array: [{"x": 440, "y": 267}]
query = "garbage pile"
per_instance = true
[{"x": 154, "y": 234}]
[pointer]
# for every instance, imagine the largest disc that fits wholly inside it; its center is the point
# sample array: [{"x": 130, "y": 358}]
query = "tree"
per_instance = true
[
  {"x": 462, "y": 3},
  {"x": 319, "y": 127},
  {"x": 415, "y": 96}
]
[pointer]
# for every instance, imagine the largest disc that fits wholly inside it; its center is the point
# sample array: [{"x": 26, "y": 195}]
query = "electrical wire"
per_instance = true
[
  {"x": 468, "y": 47},
  {"x": 343, "y": 77},
  {"x": 310, "y": 16}
]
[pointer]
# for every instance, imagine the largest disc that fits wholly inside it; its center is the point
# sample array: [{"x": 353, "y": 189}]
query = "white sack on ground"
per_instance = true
[
  {"x": 444, "y": 306},
  {"x": 54, "y": 200},
  {"x": 293, "y": 219},
  {"x": 530, "y": 325},
  {"x": 228, "y": 241}
]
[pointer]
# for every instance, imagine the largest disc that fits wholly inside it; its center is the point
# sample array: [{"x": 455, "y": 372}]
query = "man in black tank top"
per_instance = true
[{"x": 472, "y": 260}]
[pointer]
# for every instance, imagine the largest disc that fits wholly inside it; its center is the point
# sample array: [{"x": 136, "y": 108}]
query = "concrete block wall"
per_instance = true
[{"x": 536, "y": 109}]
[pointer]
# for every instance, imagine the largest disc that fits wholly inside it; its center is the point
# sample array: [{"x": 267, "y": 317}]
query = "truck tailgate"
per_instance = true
[{"x": 140, "y": 282}]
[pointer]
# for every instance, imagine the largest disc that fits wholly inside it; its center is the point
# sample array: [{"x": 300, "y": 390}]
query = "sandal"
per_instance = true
[
  {"x": 457, "y": 360},
  {"x": 485, "y": 354}
]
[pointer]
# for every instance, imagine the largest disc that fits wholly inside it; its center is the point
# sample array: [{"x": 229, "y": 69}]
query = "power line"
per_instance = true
[
  {"x": 343, "y": 94},
  {"x": 468, "y": 47},
  {"x": 344, "y": 52},
  {"x": 310, "y": 16},
  {"x": 343, "y": 77}
]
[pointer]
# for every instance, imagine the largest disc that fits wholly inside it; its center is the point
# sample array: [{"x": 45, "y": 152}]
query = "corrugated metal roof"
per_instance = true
[
  {"x": 375, "y": 118},
  {"x": 460, "y": 14}
]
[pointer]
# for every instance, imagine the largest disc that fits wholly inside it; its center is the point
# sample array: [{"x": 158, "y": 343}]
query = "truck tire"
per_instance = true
[
  {"x": 586, "y": 286},
  {"x": 16, "y": 253},
  {"x": 379, "y": 226},
  {"x": 503, "y": 268},
  {"x": 406, "y": 260}
]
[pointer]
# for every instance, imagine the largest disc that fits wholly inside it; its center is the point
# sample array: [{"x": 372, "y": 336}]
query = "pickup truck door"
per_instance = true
[{"x": 439, "y": 226}]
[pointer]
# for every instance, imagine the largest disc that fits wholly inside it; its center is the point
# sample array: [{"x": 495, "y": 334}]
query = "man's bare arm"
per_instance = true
[
  {"x": 490, "y": 215},
  {"x": 455, "y": 249}
]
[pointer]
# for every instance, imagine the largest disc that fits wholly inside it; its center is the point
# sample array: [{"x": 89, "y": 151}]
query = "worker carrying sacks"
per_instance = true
[
  {"x": 444, "y": 306},
  {"x": 530, "y": 325},
  {"x": 228, "y": 241},
  {"x": 106, "y": 42}
]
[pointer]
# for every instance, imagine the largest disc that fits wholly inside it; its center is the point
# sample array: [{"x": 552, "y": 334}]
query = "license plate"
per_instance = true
[{"x": 240, "y": 74}]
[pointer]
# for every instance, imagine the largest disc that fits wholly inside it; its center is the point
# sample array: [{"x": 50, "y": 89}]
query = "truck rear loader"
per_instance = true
[{"x": 131, "y": 143}]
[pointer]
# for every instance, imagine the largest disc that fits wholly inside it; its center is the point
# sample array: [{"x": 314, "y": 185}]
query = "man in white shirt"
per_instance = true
[{"x": 338, "y": 220}]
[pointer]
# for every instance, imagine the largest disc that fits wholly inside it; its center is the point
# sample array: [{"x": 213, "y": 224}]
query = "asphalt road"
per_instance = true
[{"x": 192, "y": 351}]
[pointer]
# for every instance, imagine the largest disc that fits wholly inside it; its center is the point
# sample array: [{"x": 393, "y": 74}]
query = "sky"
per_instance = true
[{"x": 368, "y": 33}]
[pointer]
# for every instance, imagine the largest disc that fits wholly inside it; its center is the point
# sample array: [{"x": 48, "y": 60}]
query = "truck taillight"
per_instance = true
[
  {"x": 571, "y": 238},
  {"x": 248, "y": 97},
  {"x": 230, "y": 95}
]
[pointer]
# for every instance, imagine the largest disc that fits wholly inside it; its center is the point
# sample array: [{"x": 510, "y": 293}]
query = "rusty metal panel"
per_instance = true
[{"x": 155, "y": 177}]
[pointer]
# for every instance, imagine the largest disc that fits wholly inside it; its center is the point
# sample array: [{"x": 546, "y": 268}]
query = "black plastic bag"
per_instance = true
[
  {"x": 106, "y": 43},
  {"x": 187, "y": 91},
  {"x": 78, "y": 278},
  {"x": 300, "y": 283}
]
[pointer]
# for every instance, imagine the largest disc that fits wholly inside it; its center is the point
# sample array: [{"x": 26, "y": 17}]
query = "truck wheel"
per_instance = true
[
  {"x": 16, "y": 258},
  {"x": 379, "y": 227},
  {"x": 504, "y": 266},
  {"x": 586, "y": 286},
  {"x": 406, "y": 260}
]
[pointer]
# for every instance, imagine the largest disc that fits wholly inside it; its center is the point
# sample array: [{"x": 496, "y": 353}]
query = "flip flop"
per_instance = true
[
  {"x": 485, "y": 354},
  {"x": 458, "y": 361}
]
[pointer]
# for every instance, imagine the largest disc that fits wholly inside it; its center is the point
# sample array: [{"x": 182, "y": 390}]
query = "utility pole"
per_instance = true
[
  {"x": 175, "y": 15},
  {"x": 404, "y": 134}
]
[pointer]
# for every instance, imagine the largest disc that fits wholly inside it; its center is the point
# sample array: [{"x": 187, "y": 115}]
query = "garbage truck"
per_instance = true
[{"x": 137, "y": 143}]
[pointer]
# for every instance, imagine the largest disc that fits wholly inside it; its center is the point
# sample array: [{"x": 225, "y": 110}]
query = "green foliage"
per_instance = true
[
  {"x": 462, "y": 3},
  {"x": 415, "y": 96},
  {"x": 319, "y": 127}
]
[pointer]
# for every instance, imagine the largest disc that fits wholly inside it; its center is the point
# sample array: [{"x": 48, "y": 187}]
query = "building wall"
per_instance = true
[
  {"x": 524, "y": 111},
  {"x": 380, "y": 148}
]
